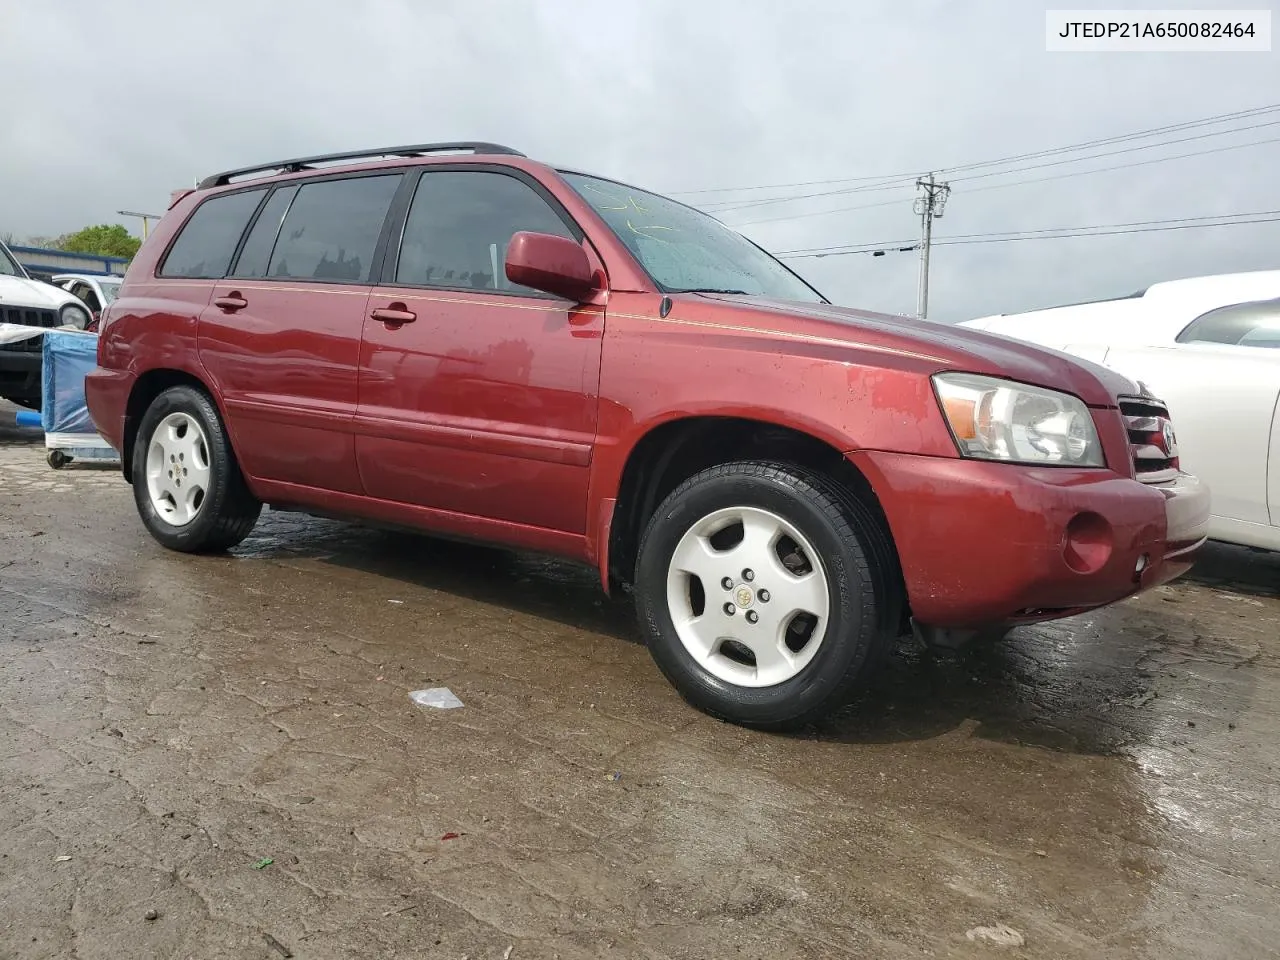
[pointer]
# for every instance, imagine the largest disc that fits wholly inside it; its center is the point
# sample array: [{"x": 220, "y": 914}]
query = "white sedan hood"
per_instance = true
[{"x": 21, "y": 292}]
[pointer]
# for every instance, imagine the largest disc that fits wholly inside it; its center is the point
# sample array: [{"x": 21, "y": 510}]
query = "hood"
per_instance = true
[
  {"x": 21, "y": 292},
  {"x": 957, "y": 348}
]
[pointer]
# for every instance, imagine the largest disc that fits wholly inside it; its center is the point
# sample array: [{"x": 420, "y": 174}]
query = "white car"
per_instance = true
[
  {"x": 28, "y": 308},
  {"x": 96, "y": 290},
  {"x": 1210, "y": 348}
]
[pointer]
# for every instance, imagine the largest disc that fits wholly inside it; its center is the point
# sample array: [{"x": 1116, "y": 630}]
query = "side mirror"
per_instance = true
[{"x": 551, "y": 264}]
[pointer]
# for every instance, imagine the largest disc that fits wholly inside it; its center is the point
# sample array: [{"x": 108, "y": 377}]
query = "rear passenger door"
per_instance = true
[
  {"x": 484, "y": 402},
  {"x": 281, "y": 336}
]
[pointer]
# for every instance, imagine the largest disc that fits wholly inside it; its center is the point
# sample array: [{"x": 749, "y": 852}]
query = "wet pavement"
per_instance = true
[{"x": 1105, "y": 786}]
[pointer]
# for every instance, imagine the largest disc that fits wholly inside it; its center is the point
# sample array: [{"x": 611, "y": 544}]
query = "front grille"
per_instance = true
[
  {"x": 1151, "y": 438},
  {"x": 29, "y": 345},
  {"x": 27, "y": 317}
]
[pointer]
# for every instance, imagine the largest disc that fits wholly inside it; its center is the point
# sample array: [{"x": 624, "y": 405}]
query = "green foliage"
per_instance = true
[{"x": 106, "y": 240}]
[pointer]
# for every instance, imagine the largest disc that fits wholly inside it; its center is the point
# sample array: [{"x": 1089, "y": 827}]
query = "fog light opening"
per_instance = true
[
  {"x": 1086, "y": 544},
  {"x": 1140, "y": 566}
]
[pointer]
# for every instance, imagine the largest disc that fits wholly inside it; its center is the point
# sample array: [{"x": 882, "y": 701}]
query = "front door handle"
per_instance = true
[
  {"x": 394, "y": 315},
  {"x": 231, "y": 302}
]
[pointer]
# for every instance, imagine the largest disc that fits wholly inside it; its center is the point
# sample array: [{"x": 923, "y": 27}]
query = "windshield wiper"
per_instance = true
[{"x": 709, "y": 290}]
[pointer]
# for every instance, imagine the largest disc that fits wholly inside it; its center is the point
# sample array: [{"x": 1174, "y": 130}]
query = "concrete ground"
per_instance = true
[{"x": 217, "y": 757}]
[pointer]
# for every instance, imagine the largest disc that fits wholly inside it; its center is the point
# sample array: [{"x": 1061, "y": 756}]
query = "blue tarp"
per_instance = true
[{"x": 67, "y": 358}]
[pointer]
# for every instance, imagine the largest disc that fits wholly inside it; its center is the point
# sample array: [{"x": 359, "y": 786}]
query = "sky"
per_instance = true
[{"x": 112, "y": 106}]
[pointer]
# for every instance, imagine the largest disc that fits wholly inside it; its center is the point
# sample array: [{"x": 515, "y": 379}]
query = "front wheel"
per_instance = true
[
  {"x": 766, "y": 593},
  {"x": 186, "y": 481}
]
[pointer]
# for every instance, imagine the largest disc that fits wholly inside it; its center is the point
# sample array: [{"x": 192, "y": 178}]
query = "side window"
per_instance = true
[
  {"x": 1253, "y": 324},
  {"x": 206, "y": 242},
  {"x": 459, "y": 225},
  {"x": 331, "y": 229},
  {"x": 85, "y": 293},
  {"x": 1264, "y": 335},
  {"x": 256, "y": 252}
]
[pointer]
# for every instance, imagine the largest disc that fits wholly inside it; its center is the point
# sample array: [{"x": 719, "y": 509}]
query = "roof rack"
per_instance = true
[{"x": 306, "y": 163}]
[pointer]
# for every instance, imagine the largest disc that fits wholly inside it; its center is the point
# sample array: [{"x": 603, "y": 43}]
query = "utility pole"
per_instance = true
[{"x": 928, "y": 206}]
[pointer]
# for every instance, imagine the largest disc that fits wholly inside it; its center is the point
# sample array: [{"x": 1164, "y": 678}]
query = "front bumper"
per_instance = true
[{"x": 986, "y": 543}]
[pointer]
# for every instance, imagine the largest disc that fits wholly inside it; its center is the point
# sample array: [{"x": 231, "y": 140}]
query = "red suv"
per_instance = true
[{"x": 460, "y": 339}]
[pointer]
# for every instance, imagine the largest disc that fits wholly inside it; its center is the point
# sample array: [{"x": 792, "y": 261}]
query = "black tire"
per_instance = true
[
  {"x": 863, "y": 581},
  {"x": 228, "y": 512},
  {"x": 57, "y": 459}
]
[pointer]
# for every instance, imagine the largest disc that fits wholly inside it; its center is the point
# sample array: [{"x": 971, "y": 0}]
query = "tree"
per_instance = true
[{"x": 106, "y": 240}]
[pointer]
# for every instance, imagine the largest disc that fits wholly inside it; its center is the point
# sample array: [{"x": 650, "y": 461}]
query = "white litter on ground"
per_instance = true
[
  {"x": 999, "y": 934},
  {"x": 441, "y": 698}
]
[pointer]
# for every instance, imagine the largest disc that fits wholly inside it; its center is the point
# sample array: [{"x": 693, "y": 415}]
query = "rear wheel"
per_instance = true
[
  {"x": 766, "y": 593},
  {"x": 186, "y": 481}
]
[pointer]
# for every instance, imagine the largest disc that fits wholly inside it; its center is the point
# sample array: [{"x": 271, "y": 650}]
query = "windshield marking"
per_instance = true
[
  {"x": 652, "y": 226},
  {"x": 631, "y": 203},
  {"x": 686, "y": 248}
]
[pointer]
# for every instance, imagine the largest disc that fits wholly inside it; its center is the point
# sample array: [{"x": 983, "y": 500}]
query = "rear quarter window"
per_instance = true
[
  {"x": 256, "y": 252},
  {"x": 208, "y": 240},
  {"x": 331, "y": 229}
]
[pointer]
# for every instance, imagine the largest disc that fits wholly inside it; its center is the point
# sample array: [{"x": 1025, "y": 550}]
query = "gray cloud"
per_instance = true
[{"x": 123, "y": 102}]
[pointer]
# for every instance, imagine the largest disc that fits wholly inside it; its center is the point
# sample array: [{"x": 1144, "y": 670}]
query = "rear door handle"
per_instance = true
[
  {"x": 231, "y": 302},
  {"x": 394, "y": 315}
]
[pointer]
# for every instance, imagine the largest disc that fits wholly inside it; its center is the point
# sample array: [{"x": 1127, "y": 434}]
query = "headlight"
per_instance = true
[
  {"x": 993, "y": 419},
  {"x": 73, "y": 315}
]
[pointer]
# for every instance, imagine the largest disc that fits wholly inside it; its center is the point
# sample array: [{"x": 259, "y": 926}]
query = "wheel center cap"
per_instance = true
[{"x": 743, "y": 595}]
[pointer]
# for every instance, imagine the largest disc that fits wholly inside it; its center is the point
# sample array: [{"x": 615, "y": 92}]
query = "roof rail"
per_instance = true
[{"x": 306, "y": 163}]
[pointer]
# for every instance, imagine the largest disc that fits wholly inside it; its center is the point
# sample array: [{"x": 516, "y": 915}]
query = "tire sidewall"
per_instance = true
[
  {"x": 197, "y": 405},
  {"x": 845, "y": 644}
]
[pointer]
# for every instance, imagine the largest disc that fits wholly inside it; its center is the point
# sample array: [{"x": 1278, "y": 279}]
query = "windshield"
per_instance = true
[
  {"x": 683, "y": 249},
  {"x": 109, "y": 290},
  {"x": 8, "y": 266}
]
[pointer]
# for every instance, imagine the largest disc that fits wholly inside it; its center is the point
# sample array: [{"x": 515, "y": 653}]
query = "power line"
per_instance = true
[
  {"x": 1019, "y": 183},
  {"x": 1111, "y": 233},
  {"x": 788, "y": 186},
  {"x": 1069, "y": 148},
  {"x": 1050, "y": 233},
  {"x": 1125, "y": 166},
  {"x": 820, "y": 213},
  {"x": 1139, "y": 135},
  {"x": 1096, "y": 226},
  {"x": 722, "y": 208},
  {"x": 1116, "y": 153},
  {"x": 897, "y": 184}
]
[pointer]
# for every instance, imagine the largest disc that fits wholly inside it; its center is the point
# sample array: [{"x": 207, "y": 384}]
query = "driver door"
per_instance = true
[{"x": 477, "y": 396}]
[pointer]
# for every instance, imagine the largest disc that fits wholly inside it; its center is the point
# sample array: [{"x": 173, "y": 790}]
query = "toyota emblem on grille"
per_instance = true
[{"x": 1167, "y": 436}]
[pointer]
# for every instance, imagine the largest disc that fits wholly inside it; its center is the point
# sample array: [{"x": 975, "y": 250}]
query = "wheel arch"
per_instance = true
[
  {"x": 146, "y": 387},
  {"x": 670, "y": 452}
]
